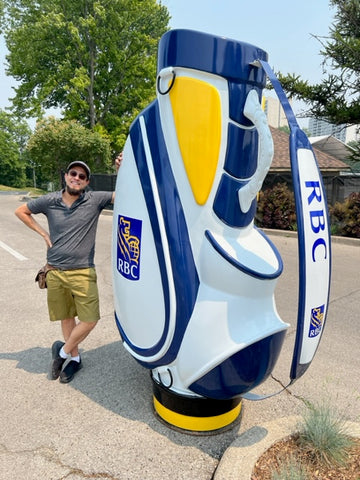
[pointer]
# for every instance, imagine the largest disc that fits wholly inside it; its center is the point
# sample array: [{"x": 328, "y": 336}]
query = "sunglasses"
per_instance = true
[{"x": 74, "y": 173}]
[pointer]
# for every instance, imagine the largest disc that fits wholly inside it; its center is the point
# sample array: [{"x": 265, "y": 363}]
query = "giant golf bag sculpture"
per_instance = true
[{"x": 193, "y": 278}]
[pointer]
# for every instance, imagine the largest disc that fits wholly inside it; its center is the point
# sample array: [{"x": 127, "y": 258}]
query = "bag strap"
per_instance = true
[{"x": 314, "y": 242}]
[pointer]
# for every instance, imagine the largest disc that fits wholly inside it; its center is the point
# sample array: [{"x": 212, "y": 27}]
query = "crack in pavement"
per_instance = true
[{"x": 50, "y": 455}]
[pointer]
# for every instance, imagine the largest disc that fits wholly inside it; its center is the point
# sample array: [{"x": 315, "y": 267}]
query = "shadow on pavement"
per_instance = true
[
  {"x": 114, "y": 380},
  {"x": 33, "y": 360}
]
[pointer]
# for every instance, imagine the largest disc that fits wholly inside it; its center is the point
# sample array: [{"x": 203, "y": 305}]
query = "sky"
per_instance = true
[{"x": 283, "y": 28}]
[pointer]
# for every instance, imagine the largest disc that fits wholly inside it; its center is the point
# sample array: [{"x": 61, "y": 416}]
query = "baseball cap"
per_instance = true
[{"x": 79, "y": 164}]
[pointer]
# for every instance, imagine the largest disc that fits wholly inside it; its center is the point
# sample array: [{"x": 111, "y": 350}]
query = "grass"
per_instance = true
[
  {"x": 292, "y": 469},
  {"x": 31, "y": 190},
  {"x": 321, "y": 445},
  {"x": 322, "y": 434}
]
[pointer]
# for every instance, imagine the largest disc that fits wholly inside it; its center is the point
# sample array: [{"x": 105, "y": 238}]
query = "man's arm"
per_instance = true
[
  {"x": 25, "y": 215},
  {"x": 118, "y": 161}
]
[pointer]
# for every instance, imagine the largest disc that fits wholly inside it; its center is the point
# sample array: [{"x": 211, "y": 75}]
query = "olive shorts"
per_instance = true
[{"x": 72, "y": 293}]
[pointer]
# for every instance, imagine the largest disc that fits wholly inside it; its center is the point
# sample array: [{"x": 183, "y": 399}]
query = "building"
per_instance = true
[
  {"x": 331, "y": 145},
  {"x": 346, "y": 134},
  {"x": 331, "y": 168},
  {"x": 274, "y": 112},
  {"x": 318, "y": 128}
]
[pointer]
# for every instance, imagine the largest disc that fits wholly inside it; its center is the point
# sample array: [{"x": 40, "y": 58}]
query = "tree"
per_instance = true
[
  {"x": 337, "y": 98},
  {"x": 56, "y": 143},
  {"x": 13, "y": 137},
  {"x": 94, "y": 59},
  {"x": 2, "y": 8},
  {"x": 354, "y": 155}
]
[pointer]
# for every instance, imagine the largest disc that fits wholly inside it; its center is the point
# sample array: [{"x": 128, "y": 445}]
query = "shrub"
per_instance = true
[
  {"x": 276, "y": 208},
  {"x": 345, "y": 217},
  {"x": 322, "y": 434},
  {"x": 292, "y": 469}
]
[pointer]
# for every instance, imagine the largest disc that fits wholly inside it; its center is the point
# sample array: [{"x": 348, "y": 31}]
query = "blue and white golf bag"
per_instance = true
[{"x": 193, "y": 278}]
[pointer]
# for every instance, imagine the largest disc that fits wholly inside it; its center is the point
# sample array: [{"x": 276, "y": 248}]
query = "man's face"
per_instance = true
[{"x": 76, "y": 180}]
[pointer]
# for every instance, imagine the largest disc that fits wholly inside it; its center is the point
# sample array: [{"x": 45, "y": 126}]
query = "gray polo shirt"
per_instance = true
[{"x": 72, "y": 229}]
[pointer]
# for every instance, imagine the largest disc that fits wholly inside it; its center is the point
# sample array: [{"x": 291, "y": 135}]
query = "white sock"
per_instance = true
[
  {"x": 63, "y": 354},
  {"x": 76, "y": 359}
]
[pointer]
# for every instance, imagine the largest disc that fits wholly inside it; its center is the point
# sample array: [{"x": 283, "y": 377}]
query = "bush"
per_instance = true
[
  {"x": 345, "y": 217},
  {"x": 276, "y": 208},
  {"x": 292, "y": 469},
  {"x": 323, "y": 435}
]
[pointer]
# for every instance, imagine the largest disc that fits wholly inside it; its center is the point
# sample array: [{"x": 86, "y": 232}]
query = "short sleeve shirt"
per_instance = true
[{"x": 72, "y": 229}]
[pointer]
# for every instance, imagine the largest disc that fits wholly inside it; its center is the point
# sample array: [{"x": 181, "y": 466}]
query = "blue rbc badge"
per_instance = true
[
  {"x": 128, "y": 247},
  {"x": 316, "y": 322}
]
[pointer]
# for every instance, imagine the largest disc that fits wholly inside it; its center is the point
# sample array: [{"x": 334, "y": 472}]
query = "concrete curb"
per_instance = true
[
  {"x": 334, "y": 238},
  {"x": 240, "y": 457}
]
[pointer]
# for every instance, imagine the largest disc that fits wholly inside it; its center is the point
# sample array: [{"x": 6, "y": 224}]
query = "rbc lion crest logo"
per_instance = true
[
  {"x": 128, "y": 247},
  {"x": 317, "y": 320}
]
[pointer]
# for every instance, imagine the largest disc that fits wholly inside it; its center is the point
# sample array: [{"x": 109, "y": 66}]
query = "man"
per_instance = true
[{"x": 72, "y": 291}]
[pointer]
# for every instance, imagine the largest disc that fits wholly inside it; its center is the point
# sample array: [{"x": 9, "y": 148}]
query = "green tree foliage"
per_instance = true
[
  {"x": 354, "y": 156},
  {"x": 2, "y": 7},
  {"x": 13, "y": 137},
  {"x": 336, "y": 98},
  {"x": 94, "y": 59},
  {"x": 56, "y": 143}
]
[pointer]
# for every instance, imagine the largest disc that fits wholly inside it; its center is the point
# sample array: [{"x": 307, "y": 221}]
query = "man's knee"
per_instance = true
[
  {"x": 68, "y": 321},
  {"x": 88, "y": 326}
]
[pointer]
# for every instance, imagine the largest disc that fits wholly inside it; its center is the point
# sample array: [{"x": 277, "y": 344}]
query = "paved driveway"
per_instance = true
[{"x": 102, "y": 425}]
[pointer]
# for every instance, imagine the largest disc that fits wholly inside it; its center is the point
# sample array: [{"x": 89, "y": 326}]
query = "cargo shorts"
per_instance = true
[{"x": 73, "y": 293}]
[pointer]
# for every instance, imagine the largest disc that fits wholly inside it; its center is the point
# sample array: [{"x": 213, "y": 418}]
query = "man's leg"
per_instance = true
[
  {"x": 67, "y": 326},
  {"x": 75, "y": 334},
  {"x": 85, "y": 295},
  {"x": 60, "y": 305},
  {"x": 83, "y": 301}
]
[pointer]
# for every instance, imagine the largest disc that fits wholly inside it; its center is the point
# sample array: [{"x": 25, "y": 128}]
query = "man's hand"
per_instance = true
[
  {"x": 47, "y": 240},
  {"x": 118, "y": 160}
]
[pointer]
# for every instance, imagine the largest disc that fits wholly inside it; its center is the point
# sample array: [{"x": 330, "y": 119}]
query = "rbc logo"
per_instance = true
[
  {"x": 316, "y": 322},
  {"x": 128, "y": 247}
]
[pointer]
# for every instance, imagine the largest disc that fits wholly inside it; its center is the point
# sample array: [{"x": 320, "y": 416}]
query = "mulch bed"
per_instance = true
[{"x": 287, "y": 448}]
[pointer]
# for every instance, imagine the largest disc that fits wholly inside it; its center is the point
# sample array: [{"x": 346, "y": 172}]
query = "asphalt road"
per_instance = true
[{"x": 102, "y": 425}]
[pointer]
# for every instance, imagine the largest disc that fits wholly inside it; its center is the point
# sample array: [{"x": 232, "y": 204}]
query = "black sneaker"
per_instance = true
[
  {"x": 69, "y": 371},
  {"x": 58, "y": 361}
]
